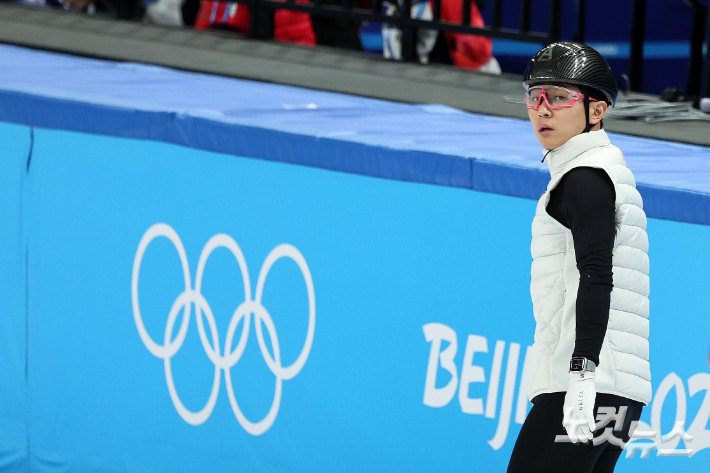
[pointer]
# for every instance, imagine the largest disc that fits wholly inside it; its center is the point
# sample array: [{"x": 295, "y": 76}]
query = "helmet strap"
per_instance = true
[{"x": 585, "y": 91}]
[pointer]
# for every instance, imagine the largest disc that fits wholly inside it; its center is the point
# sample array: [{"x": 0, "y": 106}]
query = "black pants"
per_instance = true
[{"x": 536, "y": 450}]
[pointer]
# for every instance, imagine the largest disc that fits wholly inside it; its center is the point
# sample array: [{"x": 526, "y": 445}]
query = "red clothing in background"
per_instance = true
[
  {"x": 468, "y": 51},
  {"x": 290, "y": 26}
]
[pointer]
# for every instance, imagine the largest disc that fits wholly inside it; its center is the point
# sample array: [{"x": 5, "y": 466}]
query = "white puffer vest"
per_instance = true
[{"x": 624, "y": 369}]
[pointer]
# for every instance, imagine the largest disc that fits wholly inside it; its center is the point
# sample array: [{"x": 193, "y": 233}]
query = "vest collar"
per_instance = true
[{"x": 558, "y": 158}]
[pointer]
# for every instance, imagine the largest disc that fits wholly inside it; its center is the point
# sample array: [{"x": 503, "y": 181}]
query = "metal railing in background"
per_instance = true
[
  {"x": 638, "y": 33},
  {"x": 404, "y": 21},
  {"x": 579, "y": 31},
  {"x": 697, "y": 38},
  {"x": 408, "y": 25}
]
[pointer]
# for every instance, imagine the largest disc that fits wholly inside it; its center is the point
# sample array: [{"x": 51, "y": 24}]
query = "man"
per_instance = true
[{"x": 590, "y": 267}]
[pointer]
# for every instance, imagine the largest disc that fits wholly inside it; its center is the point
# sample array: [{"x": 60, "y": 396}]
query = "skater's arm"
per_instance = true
[{"x": 584, "y": 201}]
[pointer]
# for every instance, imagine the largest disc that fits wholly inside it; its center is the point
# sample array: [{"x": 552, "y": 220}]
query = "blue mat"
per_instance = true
[{"x": 419, "y": 143}]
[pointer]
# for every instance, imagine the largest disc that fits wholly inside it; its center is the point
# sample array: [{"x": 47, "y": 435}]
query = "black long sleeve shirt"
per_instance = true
[{"x": 583, "y": 201}]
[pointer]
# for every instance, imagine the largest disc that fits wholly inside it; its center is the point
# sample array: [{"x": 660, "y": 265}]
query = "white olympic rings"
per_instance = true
[{"x": 223, "y": 362}]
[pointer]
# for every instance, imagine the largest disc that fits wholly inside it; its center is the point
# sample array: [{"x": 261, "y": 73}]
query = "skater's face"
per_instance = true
[{"x": 554, "y": 126}]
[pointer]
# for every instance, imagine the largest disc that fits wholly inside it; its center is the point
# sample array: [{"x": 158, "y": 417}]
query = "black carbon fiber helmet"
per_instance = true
[{"x": 572, "y": 63}]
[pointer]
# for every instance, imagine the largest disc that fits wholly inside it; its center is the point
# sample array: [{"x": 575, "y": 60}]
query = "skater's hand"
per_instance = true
[{"x": 579, "y": 406}]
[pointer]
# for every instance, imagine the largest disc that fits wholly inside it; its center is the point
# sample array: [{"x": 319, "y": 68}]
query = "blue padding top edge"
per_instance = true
[{"x": 331, "y": 154}]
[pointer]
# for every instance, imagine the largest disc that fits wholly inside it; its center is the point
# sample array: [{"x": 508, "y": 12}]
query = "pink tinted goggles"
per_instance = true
[{"x": 555, "y": 96}]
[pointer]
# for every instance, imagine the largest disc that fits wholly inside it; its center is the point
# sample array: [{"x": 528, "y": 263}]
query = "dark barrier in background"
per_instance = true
[{"x": 408, "y": 25}]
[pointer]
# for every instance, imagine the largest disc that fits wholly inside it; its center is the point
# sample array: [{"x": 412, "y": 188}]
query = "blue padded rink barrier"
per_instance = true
[{"x": 394, "y": 291}]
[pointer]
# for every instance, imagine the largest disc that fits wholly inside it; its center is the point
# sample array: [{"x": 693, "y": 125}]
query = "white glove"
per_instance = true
[{"x": 579, "y": 406}]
